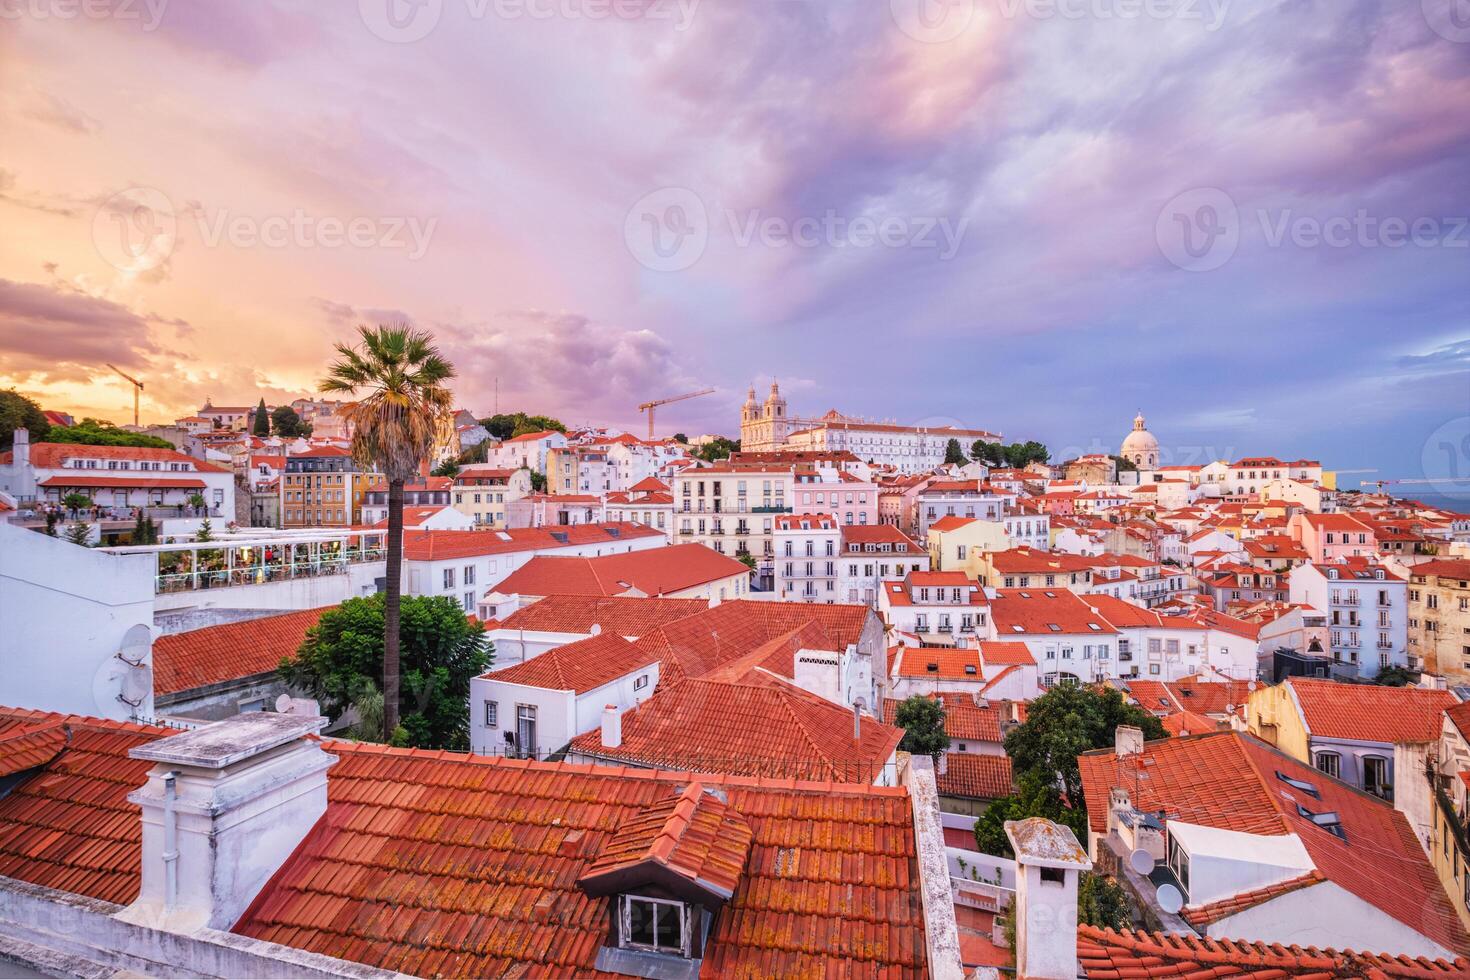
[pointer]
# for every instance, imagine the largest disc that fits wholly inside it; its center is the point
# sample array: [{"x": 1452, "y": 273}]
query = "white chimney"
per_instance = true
[
  {"x": 22, "y": 449},
  {"x": 1048, "y": 862},
  {"x": 1128, "y": 740},
  {"x": 225, "y": 805},
  {"x": 612, "y": 727},
  {"x": 819, "y": 672}
]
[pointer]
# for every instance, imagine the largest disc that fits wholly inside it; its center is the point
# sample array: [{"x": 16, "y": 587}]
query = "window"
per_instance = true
[
  {"x": 640, "y": 682},
  {"x": 653, "y": 924},
  {"x": 492, "y": 714},
  {"x": 526, "y": 729},
  {"x": 1179, "y": 864},
  {"x": 1330, "y": 763},
  {"x": 1375, "y": 776},
  {"x": 449, "y": 578},
  {"x": 469, "y": 575},
  {"x": 1053, "y": 876}
]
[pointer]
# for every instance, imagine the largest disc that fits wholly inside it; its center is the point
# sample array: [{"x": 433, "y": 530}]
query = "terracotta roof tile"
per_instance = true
[
  {"x": 653, "y": 571},
  {"x": 623, "y": 615},
  {"x": 1204, "y": 915},
  {"x": 581, "y": 666},
  {"x": 447, "y": 545},
  {"x": 214, "y": 654},
  {"x": 1370, "y": 713},
  {"x": 963, "y": 718},
  {"x": 975, "y": 775}
]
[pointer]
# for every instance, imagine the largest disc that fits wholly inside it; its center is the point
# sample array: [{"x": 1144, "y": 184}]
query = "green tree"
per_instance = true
[
  {"x": 76, "y": 502},
  {"x": 261, "y": 422},
  {"x": 19, "y": 412},
  {"x": 287, "y": 424},
  {"x": 1125, "y": 465},
  {"x": 717, "y": 449},
  {"x": 1034, "y": 797},
  {"x": 681, "y": 438},
  {"x": 450, "y": 468},
  {"x": 1018, "y": 455},
  {"x": 1396, "y": 677},
  {"x": 341, "y": 663},
  {"x": 1102, "y": 902},
  {"x": 98, "y": 432},
  {"x": 922, "y": 721},
  {"x": 205, "y": 532},
  {"x": 508, "y": 426},
  {"x": 197, "y": 501},
  {"x": 953, "y": 453},
  {"x": 1065, "y": 722},
  {"x": 538, "y": 480},
  {"x": 79, "y": 533},
  {"x": 401, "y": 412},
  {"x": 144, "y": 530},
  {"x": 989, "y": 453}
]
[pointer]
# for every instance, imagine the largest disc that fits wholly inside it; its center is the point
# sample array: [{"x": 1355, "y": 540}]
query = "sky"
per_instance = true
[{"x": 1250, "y": 221}]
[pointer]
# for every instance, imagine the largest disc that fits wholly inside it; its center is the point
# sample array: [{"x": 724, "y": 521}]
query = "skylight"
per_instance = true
[{"x": 1300, "y": 784}]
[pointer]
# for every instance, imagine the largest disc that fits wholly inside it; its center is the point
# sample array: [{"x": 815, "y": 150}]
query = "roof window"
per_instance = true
[{"x": 1299, "y": 784}]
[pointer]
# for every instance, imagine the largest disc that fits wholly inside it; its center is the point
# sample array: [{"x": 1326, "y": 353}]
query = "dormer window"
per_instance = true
[{"x": 654, "y": 924}]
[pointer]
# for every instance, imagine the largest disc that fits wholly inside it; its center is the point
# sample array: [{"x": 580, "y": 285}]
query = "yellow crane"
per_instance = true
[
  {"x": 650, "y": 406},
  {"x": 137, "y": 388}
]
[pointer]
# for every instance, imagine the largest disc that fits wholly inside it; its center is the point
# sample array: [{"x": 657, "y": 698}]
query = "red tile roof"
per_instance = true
[
  {"x": 434, "y": 864},
  {"x": 25, "y": 747},
  {"x": 1107, "y": 955},
  {"x": 1016, "y": 612},
  {"x": 69, "y": 824},
  {"x": 951, "y": 523},
  {"x": 964, "y": 720},
  {"x": 53, "y": 455},
  {"x": 1010, "y": 654},
  {"x": 581, "y": 667},
  {"x": 414, "y": 516},
  {"x": 975, "y": 775},
  {"x": 760, "y": 726},
  {"x": 949, "y": 664},
  {"x": 1230, "y": 782},
  {"x": 1204, "y": 915},
  {"x": 623, "y": 615},
  {"x": 653, "y": 571},
  {"x": 449, "y": 545},
  {"x": 1370, "y": 713},
  {"x": 85, "y": 479},
  {"x": 214, "y": 654},
  {"x": 690, "y": 833},
  {"x": 1456, "y": 568}
]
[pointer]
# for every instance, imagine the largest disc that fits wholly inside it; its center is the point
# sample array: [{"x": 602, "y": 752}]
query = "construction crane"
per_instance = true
[
  {"x": 1380, "y": 484},
  {"x": 650, "y": 406},
  {"x": 137, "y": 388}
]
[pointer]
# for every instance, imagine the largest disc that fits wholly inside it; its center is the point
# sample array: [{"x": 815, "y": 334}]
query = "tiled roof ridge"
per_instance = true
[
  {"x": 87, "y": 721},
  {"x": 35, "y": 745},
  {"x": 634, "y": 772},
  {"x": 1291, "y": 960},
  {"x": 1214, "y": 911}
]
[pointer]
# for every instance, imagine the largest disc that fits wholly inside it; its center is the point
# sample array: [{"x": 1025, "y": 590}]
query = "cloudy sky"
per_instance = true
[{"x": 1248, "y": 220}]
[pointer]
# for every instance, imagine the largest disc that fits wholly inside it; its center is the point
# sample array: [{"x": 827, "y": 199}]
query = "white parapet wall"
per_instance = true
[{"x": 66, "y": 613}]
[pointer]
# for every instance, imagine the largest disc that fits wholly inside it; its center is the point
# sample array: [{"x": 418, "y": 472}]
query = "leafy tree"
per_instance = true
[
  {"x": 989, "y": 453},
  {"x": 747, "y": 559},
  {"x": 401, "y": 412},
  {"x": 681, "y": 438},
  {"x": 717, "y": 449},
  {"x": 538, "y": 480},
  {"x": 1065, "y": 722},
  {"x": 76, "y": 502},
  {"x": 1102, "y": 902},
  {"x": 197, "y": 501},
  {"x": 1021, "y": 454},
  {"x": 19, "y": 412},
  {"x": 953, "y": 453},
  {"x": 508, "y": 426},
  {"x": 79, "y": 533},
  {"x": 287, "y": 424},
  {"x": 262, "y": 421},
  {"x": 922, "y": 721},
  {"x": 341, "y": 664},
  {"x": 98, "y": 432},
  {"x": 1125, "y": 465},
  {"x": 1034, "y": 797},
  {"x": 1396, "y": 677},
  {"x": 450, "y": 468}
]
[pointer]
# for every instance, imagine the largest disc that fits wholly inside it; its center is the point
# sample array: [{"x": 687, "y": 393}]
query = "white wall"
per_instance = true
[
  {"x": 284, "y": 594},
  {"x": 66, "y": 611}
]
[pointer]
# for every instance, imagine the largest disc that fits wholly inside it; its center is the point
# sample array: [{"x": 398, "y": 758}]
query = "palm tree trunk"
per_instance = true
[{"x": 390, "y": 608}]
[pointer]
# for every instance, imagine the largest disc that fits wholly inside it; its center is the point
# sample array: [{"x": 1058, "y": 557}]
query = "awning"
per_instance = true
[{"x": 131, "y": 482}]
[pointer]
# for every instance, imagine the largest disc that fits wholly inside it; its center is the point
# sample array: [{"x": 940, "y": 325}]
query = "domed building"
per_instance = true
[{"x": 1141, "y": 448}]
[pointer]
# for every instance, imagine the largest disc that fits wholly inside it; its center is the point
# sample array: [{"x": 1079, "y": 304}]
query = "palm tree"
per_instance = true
[{"x": 400, "y": 414}]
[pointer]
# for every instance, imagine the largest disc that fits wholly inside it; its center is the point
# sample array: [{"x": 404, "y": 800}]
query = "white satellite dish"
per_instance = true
[
  {"x": 137, "y": 684},
  {"x": 1142, "y": 862},
  {"x": 1170, "y": 900},
  {"x": 283, "y": 704},
  {"x": 1230, "y": 709},
  {"x": 596, "y": 629}
]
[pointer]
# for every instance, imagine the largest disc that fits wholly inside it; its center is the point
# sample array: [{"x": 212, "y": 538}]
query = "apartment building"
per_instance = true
[
  {"x": 1247, "y": 477},
  {"x": 940, "y": 609},
  {"x": 807, "y": 557},
  {"x": 870, "y": 556},
  {"x": 323, "y": 487},
  {"x": 1367, "y": 609},
  {"x": 1329, "y": 537},
  {"x": 1439, "y": 618},
  {"x": 732, "y": 509},
  {"x": 481, "y": 492},
  {"x": 959, "y": 498}
]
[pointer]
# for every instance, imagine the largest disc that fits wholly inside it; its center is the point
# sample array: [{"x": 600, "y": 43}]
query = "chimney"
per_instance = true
[
  {"x": 1128, "y": 740},
  {"x": 612, "y": 727},
  {"x": 857, "y": 721},
  {"x": 225, "y": 805},
  {"x": 1048, "y": 862},
  {"x": 22, "y": 449}
]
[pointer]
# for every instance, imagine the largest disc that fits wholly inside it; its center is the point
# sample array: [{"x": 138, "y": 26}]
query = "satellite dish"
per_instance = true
[
  {"x": 1170, "y": 900},
  {"x": 596, "y": 629},
  {"x": 1142, "y": 862},
  {"x": 1230, "y": 709},
  {"x": 137, "y": 684},
  {"x": 283, "y": 704}
]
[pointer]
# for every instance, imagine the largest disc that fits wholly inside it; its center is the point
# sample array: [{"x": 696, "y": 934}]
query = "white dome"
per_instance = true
[{"x": 1140, "y": 441}]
